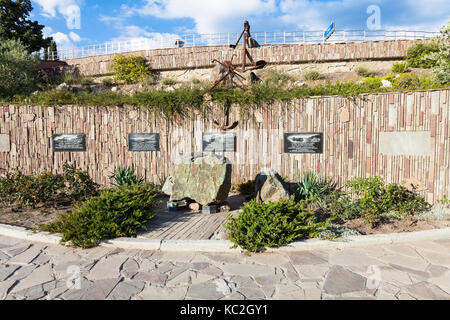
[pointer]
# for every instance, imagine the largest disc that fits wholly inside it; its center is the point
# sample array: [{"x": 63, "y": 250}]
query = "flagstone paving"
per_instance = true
[{"x": 416, "y": 270}]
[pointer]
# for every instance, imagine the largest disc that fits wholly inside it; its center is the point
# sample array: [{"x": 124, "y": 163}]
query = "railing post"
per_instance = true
[
  {"x": 228, "y": 39},
  {"x": 284, "y": 37},
  {"x": 303, "y": 34},
  {"x": 265, "y": 37},
  {"x": 193, "y": 40},
  {"x": 364, "y": 36}
]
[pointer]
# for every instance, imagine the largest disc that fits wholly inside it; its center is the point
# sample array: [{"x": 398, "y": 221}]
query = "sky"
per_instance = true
[{"x": 76, "y": 23}]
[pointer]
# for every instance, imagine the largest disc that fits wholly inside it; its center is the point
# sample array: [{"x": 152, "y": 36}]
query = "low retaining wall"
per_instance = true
[
  {"x": 201, "y": 57},
  {"x": 397, "y": 136}
]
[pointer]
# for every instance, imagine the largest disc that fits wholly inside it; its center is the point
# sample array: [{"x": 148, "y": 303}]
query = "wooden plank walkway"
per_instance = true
[{"x": 186, "y": 225}]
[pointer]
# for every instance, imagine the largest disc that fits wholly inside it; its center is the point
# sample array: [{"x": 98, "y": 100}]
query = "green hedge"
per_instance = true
[
  {"x": 115, "y": 213},
  {"x": 273, "y": 224}
]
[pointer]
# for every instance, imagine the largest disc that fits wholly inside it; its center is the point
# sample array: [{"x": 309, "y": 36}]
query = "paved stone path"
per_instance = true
[{"x": 419, "y": 270}]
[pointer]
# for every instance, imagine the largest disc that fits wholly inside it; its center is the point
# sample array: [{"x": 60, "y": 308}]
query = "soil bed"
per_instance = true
[
  {"x": 30, "y": 217},
  {"x": 395, "y": 226}
]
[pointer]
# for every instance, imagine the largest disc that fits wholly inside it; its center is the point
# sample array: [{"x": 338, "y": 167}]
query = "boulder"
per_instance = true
[
  {"x": 204, "y": 179},
  {"x": 269, "y": 186},
  {"x": 167, "y": 187}
]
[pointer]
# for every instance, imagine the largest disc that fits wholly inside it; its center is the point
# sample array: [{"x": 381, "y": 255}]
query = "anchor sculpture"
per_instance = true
[{"x": 229, "y": 72}]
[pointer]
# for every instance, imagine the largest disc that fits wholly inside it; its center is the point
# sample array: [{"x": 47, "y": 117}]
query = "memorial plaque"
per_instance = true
[
  {"x": 69, "y": 142},
  {"x": 143, "y": 142},
  {"x": 303, "y": 142},
  {"x": 219, "y": 142}
]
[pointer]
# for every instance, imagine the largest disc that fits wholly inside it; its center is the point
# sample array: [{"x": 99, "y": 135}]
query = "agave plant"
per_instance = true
[
  {"x": 125, "y": 176},
  {"x": 311, "y": 186}
]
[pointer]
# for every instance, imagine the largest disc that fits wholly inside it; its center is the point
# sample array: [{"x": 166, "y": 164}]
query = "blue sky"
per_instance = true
[{"x": 84, "y": 22}]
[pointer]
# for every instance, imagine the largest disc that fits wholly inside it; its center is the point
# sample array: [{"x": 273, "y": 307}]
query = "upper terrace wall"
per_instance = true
[
  {"x": 397, "y": 136},
  {"x": 201, "y": 57}
]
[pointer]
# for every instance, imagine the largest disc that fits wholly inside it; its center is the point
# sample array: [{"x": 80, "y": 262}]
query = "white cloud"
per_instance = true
[
  {"x": 66, "y": 41},
  {"x": 140, "y": 39},
  {"x": 69, "y": 9},
  {"x": 62, "y": 40},
  {"x": 210, "y": 16},
  {"x": 213, "y": 16},
  {"x": 74, "y": 37}
]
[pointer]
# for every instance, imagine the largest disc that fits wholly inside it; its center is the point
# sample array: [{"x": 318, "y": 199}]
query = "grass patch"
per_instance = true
[
  {"x": 363, "y": 71},
  {"x": 183, "y": 101},
  {"x": 312, "y": 75},
  {"x": 399, "y": 67}
]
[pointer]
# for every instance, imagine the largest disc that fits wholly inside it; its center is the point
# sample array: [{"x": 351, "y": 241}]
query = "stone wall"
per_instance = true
[
  {"x": 397, "y": 136},
  {"x": 201, "y": 57}
]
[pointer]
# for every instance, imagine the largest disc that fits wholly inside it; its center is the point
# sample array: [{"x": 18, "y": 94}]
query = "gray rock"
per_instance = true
[
  {"x": 125, "y": 290},
  {"x": 3, "y": 257},
  {"x": 153, "y": 277},
  {"x": 206, "y": 180},
  {"x": 6, "y": 271},
  {"x": 209, "y": 290},
  {"x": 340, "y": 280},
  {"x": 425, "y": 290},
  {"x": 305, "y": 257},
  {"x": 269, "y": 186},
  {"x": 130, "y": 268},
  {"x": 168, "y": 185}
]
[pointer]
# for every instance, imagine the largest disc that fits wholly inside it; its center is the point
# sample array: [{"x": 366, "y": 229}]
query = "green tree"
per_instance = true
[
  {"x": 53, "y": 51},
  {"x": 441, "y": 68},
  {"x": 17, "y": 69},
  {"x": 15, "y": 25}
]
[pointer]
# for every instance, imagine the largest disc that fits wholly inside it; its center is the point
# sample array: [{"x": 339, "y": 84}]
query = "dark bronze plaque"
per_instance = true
[
  {"x": 219, "y": 142},
  {"x": 69, "y": 142},
  {"x": 303, "y": 142},
  {"x": 143, "y": 142}
]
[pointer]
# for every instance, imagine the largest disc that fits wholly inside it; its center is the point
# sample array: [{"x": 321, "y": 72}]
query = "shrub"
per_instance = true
[
  {"x": 441, "y": 68},
  {"x": 399, "y": 67},
  {"x": 275, "y": 78},
  {"x": 17, "y": 69},
  {"x": 372, "y": 82},
  {"x": 245, "y": 188},
  {"x": 312, "y": 75},
  {"x": 44, "y": 188},
  {"x": 78, "y": 184},
  {"x": 123, "y": 176},
  {"x": 310, "y": 186},
  {"x": 47, "y": 188},
  {"x": 273, "y": 224},
  {"x": 444, "y": 200},
  {"x": 375, "y": 200},
  {"x": 115, "y": 213},
  {"x": 108, "y": 81},
  {"x": 196, "y": 81},
  {"x": 363, "y": 71},
  {"x": 86, "y": 81},
  {"x": 410, "y": 81},
  {"x": 339, "y": 204},
  {"x": 129, "y": 68},
  {"x": 148, "y": 80},
  {"x": 168, "y": 82},
  {"x": 71, "y": 79},
  {"x": 418, "y": 56}
]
